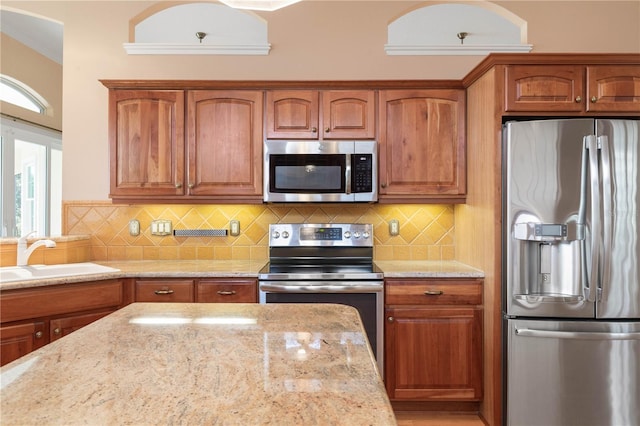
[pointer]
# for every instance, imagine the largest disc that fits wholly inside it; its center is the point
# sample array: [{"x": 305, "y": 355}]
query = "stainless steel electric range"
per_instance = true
[{"x": 326, "y": 263}]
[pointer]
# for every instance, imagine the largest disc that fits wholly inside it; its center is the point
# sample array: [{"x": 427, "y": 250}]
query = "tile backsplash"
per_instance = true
[{"x": 426, "y": 231}]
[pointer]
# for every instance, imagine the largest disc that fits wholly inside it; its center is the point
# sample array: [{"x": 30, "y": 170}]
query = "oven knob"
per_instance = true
[
  {"x": 275, "y": 234},
  {"x": 366, "y": 235},
  {"x": 356, "y": 234},
  {"x": 285, "y": 234},
  {"x": 347, "y": 234}
]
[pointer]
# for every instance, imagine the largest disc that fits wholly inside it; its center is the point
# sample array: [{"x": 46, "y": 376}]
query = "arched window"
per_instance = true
[{"x": 16, "y": 93}]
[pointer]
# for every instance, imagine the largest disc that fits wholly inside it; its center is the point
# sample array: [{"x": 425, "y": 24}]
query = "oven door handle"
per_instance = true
[{"x": 301, "y": 287}]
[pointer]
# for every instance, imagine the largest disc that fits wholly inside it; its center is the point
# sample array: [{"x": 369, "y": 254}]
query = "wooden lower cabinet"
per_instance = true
[
  {"x": 33, "y": 317},
  {"x": 433, "y": 340},
  {"x": 227, "y": 291},
  {"x": 164, "y": 290},
  {"x": 19, "y": 340}
]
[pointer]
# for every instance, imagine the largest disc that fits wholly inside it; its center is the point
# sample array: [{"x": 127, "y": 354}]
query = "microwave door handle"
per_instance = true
[{"x": 347, "y": 174}]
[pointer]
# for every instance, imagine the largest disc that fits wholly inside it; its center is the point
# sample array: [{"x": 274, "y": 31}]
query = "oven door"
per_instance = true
[{"x": 366, "y": 296}]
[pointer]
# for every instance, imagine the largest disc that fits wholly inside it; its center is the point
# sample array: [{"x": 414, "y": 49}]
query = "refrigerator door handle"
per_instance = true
[
  {"x": 575, "y": 335},
  {"x": 607, "y": 206},
  {"x": 591, "y": 143}
]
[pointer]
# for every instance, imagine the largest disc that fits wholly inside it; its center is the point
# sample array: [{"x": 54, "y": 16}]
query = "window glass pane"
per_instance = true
[
  {"x": 30, "y": 169},
  {"x": 12, "y": 94}
]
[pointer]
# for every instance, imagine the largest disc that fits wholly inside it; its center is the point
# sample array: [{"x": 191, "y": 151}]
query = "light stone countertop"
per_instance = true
[
  {"x": 174, "y": 363},
  {"x": 427, "y": 269},
  {"x": 244, "y": 269}
]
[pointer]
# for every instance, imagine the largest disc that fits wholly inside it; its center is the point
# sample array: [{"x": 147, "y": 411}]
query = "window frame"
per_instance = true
[{"x": 13, "y": 129}]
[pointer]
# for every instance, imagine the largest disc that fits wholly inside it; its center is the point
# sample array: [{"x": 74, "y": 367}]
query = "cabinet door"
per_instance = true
[
  {"x": 227, "y": 291},
  {"x": 164, "y": 291},
  {"x": 225, "y": 143},
  {"x": 613, "y": 88},
  {"x": 146, "y": 142},
  {"x": 422, "y": 144},
  {"x": 292, "y": 114},
  {"x": 19, "y": 340},
  {"x": 433, "y": 354},
  {"x": 60, "y": 327},
  {"x": 544, "y": 88},
  {"x": 348, "y": 114}
]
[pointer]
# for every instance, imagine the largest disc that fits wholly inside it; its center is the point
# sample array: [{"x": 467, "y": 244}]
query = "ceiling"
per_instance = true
[{"x": 43, "y": 36}]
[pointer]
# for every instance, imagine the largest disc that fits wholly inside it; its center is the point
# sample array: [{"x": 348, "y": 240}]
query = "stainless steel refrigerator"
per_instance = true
[{"x": 571, "y": 263}]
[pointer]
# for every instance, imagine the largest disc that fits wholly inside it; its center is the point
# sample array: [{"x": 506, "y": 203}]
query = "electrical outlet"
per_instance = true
[
  {"x": 394, "y": 227},
  {"x": 235, "y": 228},
  {"x": 134, "y": 227}
]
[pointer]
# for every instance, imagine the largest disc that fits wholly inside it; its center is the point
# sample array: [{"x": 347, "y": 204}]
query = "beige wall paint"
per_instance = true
[
  {"x": 310, "y": 40},
  {"x": 39, "y": 73}
]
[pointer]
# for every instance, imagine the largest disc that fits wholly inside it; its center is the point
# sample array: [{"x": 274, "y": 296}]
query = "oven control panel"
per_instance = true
[{"x": 332, "y": 234}]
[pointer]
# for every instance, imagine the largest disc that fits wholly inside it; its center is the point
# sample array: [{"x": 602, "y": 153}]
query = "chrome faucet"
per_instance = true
[{"x": 24, "y": 252}]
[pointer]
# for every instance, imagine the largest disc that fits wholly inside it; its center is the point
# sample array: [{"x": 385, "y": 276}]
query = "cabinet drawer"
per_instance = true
[
  {"x": 164, "y": 291},
  {"x": 433, "y": 292},
  {"x": 44, "y": 301},
  {"x": 227, "y": 291}
]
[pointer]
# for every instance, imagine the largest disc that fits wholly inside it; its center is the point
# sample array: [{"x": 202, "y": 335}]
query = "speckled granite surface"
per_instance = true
[
  {"x": 228, "y": 364},
  {"x": 427, "y": 269}
]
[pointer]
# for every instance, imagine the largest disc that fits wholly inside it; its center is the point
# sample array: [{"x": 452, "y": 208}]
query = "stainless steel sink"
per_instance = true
[{"x": 38, "y": 272}]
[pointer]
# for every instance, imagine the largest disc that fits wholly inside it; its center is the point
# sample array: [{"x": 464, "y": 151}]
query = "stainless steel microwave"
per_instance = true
[{"x": 320, "y": 171}]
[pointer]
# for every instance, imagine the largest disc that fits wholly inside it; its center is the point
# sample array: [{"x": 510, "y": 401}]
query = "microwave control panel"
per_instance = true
[{"x": 361, "y": 172}]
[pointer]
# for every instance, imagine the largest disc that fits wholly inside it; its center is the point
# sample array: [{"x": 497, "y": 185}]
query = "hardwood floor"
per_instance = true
[{"x": 431, "y": 418}]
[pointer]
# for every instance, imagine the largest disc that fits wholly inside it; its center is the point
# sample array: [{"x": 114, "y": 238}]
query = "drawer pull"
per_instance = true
[
  {"x": 163, "y": 292},
  {"x": 57, "y": 331},
  {"x": 226, "y": 293},
  {"x": 38, "y": 334},
  {"x": 433, "y": 292}
]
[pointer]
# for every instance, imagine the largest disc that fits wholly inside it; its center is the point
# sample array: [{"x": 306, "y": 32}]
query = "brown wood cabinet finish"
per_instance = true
[
  {"x": 312, "y": 114},
  {"x": 227, "y": 291},
  {"x": 164, "y": 290},
  {"x": 224, "y": 143},
  {"x": 30, "y": 317},
  {"x": 572, "y": 88},
  {"x": 433, "y": 340},
  {"x": 19, "y": 340},
  {"x": 422, "y": 146},
  {"x": 146, "y": 134}
]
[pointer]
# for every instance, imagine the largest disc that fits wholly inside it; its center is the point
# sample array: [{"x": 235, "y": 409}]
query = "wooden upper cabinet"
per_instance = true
[
  {"x": 613, "y": 88},
  {"x": 225, "y": 143},
  {"x": 577, "y": 89},
  {"x": 292, "y": 114},
  {"x": 312, "y": 114},
  {"x": 422, "y": 145},
  {"x": 146, "y": 134},
  {"x": 348, "y": 114}
]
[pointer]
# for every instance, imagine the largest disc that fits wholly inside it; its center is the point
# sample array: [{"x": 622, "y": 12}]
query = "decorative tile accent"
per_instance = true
[{"x": 427, "y": 232}]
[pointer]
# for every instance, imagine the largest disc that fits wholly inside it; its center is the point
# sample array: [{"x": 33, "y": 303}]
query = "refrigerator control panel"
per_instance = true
[{"x": 540, "y": 231}]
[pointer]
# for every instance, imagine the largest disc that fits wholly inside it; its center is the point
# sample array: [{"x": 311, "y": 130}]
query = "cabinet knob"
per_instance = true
[
  {"x": 38, "y": 334},
  {"x": 163, "y": 292},
  {"x": 191, "y": 185},
  {"x": 327, "y": 130},
  {"x": 433, "y": 292},
  {"x": 178, "y": 185},
  {"x": 314, "y": 129},
  {"x": 390, "y": 319},
  {"x": 57, "y": 331},
  {"x": 383, "y": 185},
  {"x": 578, "y": 99},
  {"x": 226, "y": 293},
  {"x": 593, "y": 99}
]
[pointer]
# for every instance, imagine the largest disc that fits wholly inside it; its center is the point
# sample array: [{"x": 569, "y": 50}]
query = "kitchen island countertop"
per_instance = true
[{"x": 157, "y": 363}]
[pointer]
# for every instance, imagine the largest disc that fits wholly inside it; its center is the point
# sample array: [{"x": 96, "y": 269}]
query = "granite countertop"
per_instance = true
[
  {"x": 243, "y": 268},
  {"x": 427, "y": 269},
  {"x": 174, "y": 363}
]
